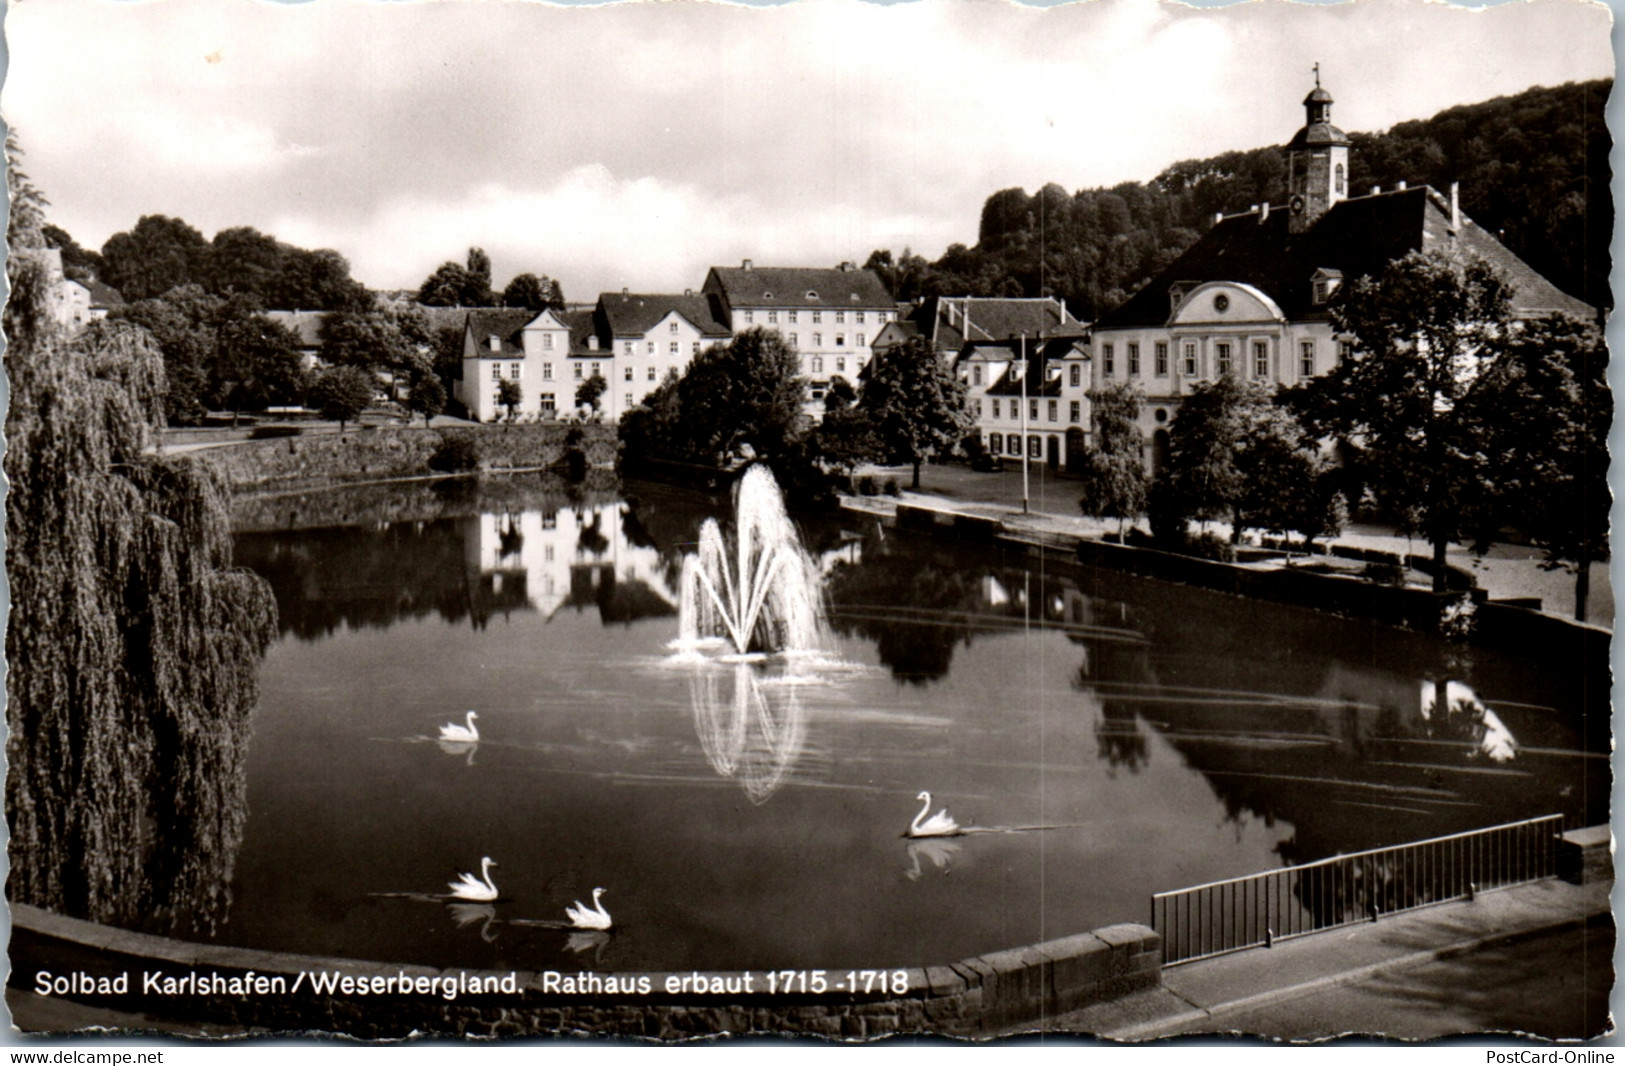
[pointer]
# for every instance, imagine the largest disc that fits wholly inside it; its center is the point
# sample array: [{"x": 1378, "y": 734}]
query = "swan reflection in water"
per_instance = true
[
  {"x": 752, "y": 732},
  {"x": 582, "y": 941},
  {"x": 938, "y": 850},
  {"x": 466, "y": 914}
]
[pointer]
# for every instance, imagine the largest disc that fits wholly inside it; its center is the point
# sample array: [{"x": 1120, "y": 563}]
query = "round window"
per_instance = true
[
  {"x": 1221, "y": 303},
  {"x": 1162, "y": 415}
]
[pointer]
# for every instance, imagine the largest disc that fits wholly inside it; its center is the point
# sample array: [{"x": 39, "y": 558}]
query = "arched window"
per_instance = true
[
  {"x": 1339, "y": 179},
  {"x": 995, "y": 443}
]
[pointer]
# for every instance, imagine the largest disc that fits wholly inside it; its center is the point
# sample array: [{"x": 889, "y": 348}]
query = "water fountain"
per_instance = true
[{"x": 759, "y": 595}]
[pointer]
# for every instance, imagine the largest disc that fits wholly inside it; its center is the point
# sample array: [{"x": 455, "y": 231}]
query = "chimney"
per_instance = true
[
  {"x": 626, "y": 292},
  {"x": 1264, "y": 213},
  {"x": 746, "y": 265},
  {"x": 1375, "y": 189},
  {"x": 1455, "y": 206},
  {"x": 688, "y": 292},
  {"x": 847, "y": 266},
  {"x": 1218, "y": 217},
  {"x": 592, "y": 343},
  {"x": 1400, "y": 187}
]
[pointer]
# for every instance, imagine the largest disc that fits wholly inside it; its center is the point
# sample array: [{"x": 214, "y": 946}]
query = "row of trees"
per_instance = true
[
  {"x": 744, "y": 400},
  {"x": 1533, "y": 170},
  {"x": 1454, "y": 419},
  {"x": 469, "y": 285}
]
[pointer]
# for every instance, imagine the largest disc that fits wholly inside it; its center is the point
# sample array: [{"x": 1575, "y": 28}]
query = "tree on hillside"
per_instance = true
[
  {"x": 533, "y": 293},
  {"x": 341, "y": 393},
  {"x": 182, "y": 322},
  {"x": 1543, "y": 413},
  {"x": 1422, "y": 332},
  {"x": 78, "y": 263},
  {"x": 317, "y": 281},
  {"x": 1114, "y": 477},
  {"x": 458, "y": 285},
  {"x": 916, "y": 403},
  {"x": 156, "y": 255}
]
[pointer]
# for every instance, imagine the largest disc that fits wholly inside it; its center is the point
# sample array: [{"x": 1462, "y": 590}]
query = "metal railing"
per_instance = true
[{"x": 1255, "y": 911}]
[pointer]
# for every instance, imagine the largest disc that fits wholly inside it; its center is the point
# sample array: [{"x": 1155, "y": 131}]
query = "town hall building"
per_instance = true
[{"x": 1251, "y": 297}]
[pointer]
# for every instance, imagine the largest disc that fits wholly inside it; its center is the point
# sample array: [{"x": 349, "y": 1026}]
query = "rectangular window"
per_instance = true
[
  {"x": 1162, "y": 359},
  {"x": 861, "y": 340},
  {"x": 818, "y": 317},
  {"x": 1076, "y": 411},
  {"x": 1261, "y": 359},
  {"x": 651, "y": 373},
  {"x": 976, "y": 374},
  {"x": 628, "y": 402},
  {"x": 547, "y": 371},
  {"x": 840, "y": 340},
  {"x": 1190, "y": 359},
  {"x": 1107, "y": 360},
  {"x": 772, "y": 318},
  {"x": 792, "y": 318},
  {"x": 840, "y": 318},
  {"x": 1345, "y": 350},
  {"x": 1133, "y": 360},
  {"x": 674, "y": 348},
  {"x": 594, "y": 369},
  {"x": 547, "y": 402},
  {"x": 629, "y": 373},
  {"x": 547, "y": 342},
  {"x": 1076, "y": 378},
  {"x": 792, "y": 340},
  {"x": 672, "y": 328},
  {"x": 1054, "y": 410},
  {"x": 1224, "y": 357},
  {"x": 750, "y": 318},
  {"x": 818, "y": 340},
  {"x": 860, "y": 318},
  {"x": 978, "y": 408},
  {"x": 1012, "y": 444},
  {"x": 1032, "y": 410},
  {"x": 995, "y": 408},
  {"x": 817, "y": 364},
  {"x": 513, "y": 371},
  {"x": 630, "y": 350},
  {"x": 1306, "y": 359},
  {"x": 840, "y": 364},
  {"x": 696, "y": 347},
  {"x": 1035, "y": 447},
  {"x": 579, "y": 374},
  {"x": 880, "y": 316},
  {"x": 496, "y": 371}
]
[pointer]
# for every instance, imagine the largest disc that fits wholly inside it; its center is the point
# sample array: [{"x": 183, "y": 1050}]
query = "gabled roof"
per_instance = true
[
  {"x": 504, "y": 324},
  {"x": 102, "y": 295},
  {"x": 837, "y": 289},
  {"x": 1358, "y": 237},
  {"x": 1040, "y": 358},
  {"x": 635, "y": 314},
  {"x": 943, "y": 319}
]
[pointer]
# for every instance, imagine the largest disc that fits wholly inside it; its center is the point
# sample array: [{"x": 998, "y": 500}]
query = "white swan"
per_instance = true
[
  {"x": 468, "y": 734},
  {"x": 938, "y": 825},
  {"x": 473, "y": 888},
  {"x": 584, "y": 917}
]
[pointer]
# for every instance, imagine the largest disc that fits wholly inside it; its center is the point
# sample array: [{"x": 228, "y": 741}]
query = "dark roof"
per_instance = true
[
  {"x": 751, "y": 287},
  {"x": 103, "y": 295},
  {"x": 943, "y": 319},
  {"x": 505, "y": 324},
  {"x": 635, "y": 314},
  {"x": 1358, "y": 237},
  {"x": 1038, "y": 358},
  {"x": 307, "y": 324}
]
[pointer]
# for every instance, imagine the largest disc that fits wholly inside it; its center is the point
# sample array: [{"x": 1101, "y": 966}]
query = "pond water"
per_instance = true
[{"x": 751, "y": 815}]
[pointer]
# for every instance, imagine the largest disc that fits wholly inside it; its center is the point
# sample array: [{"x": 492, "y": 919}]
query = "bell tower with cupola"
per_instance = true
[{"x": 1317, "y": 162}]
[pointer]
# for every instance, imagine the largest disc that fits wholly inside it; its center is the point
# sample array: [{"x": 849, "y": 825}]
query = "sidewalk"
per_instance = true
[{"x": 1347, "y": 980}]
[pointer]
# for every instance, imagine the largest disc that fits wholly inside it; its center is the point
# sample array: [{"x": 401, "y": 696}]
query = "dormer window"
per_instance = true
[
  {"x": 812, "y": 295},
  {"x": 496, "y": 343},
  {"x": 1325, "y": 283},
  {"x": 1176, "y": 294},
  {"x": 767, "y": 296}
]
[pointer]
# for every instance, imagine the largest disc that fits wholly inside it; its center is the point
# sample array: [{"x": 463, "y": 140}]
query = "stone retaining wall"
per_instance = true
[
  {"x": 397, "y": 452},
  {"x": 973, "y": 997}
]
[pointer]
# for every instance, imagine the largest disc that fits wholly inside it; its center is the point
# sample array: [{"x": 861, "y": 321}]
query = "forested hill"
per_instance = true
[{"x": 1533, "y": 169}]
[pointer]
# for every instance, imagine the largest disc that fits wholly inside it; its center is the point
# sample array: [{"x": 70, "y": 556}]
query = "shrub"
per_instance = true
[
  {"x": 866, "y": 486},
  {"x": 1384, "y": 573},
  {"x": 455, "y": 454},
  {"x": 1210, "y": 546},
  {"x": 893, "y": 488}
]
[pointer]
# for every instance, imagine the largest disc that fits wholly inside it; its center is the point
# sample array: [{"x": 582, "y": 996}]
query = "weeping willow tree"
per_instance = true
[{"x": 133, "y": 647}]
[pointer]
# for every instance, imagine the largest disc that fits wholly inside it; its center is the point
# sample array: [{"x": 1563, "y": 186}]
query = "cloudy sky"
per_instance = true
[{"x": 635, "y": 144}]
